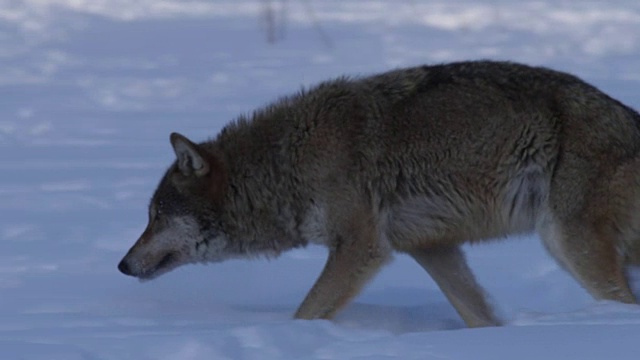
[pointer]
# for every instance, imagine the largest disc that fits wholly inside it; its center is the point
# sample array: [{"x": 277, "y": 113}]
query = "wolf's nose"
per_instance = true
[{"x": 124, "y": 267}]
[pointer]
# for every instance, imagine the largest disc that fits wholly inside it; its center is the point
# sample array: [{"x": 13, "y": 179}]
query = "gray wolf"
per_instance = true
[{"x": 417, "y": 161}]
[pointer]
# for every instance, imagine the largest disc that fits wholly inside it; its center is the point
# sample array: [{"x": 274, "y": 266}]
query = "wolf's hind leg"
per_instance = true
[
  {"x": 588, "y": 251},
  {"x": 448, "y": 268}
]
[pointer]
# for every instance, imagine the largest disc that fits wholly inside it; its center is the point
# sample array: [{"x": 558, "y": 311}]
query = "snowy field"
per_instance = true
[{"x": 89, "y": 92}]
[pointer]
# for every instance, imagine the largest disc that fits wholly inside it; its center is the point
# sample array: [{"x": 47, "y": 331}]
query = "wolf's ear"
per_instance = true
[{"x": 189, "y": 155}]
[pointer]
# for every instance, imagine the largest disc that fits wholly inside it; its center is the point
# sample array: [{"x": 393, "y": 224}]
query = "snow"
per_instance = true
[{"x": 90, "y": 91}]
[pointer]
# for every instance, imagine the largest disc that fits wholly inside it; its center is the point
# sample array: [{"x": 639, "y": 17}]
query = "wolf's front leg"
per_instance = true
[
  {"x": 448, "y": 268},
  {"x": 354, "y": 259}
]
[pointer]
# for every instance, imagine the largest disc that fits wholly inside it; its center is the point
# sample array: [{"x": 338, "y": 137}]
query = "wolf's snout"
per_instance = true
[{"x": 123, "y": 266}]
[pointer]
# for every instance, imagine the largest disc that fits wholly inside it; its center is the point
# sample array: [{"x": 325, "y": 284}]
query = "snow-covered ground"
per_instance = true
[{"x": 90, "y": 90}]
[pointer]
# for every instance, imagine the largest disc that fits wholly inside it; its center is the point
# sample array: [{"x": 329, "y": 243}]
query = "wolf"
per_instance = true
[{"x": 418, "y": 161}]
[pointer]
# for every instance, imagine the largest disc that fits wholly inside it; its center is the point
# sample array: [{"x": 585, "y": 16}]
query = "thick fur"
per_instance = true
[{"x": 419, "y": 161}]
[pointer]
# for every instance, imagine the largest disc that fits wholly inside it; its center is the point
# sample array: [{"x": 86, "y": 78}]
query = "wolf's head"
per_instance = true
[{"x": 184, "y": 215}]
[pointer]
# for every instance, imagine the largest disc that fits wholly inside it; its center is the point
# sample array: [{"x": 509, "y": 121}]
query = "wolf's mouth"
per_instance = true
[{"x": 165, "y": 264}]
